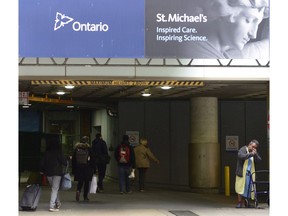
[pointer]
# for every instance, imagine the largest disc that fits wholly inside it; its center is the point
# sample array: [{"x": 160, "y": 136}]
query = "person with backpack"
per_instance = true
[
  {"x": 102, "y": 158},
  {"x": 124, "y": 155},
  {"x": 83, "y": 162},
  {"x": 143, "y": 155}
]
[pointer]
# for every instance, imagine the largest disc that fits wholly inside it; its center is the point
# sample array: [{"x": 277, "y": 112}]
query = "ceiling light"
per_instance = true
[
  {"x": 26, "y": 106},
  {"x": 60, "y": 93},
  {"x": 69, "y": 86},
  {"x": 146, "y": 93},
  {"x": 70, "y": 106},
  {"x": 166, "y": 87}
]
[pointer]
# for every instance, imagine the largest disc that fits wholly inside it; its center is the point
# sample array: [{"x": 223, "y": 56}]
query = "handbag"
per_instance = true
[
  {"x": 93, "y": 185},
  {"x": 132, "y": 174},
  {"x": 66, "y": 182}
]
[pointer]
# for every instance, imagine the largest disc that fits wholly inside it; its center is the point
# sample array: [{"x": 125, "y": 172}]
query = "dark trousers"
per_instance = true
[
  {"x": 101, "y": 175},
  {"x": 142, "y": 175},
  {"x": 86, "y": 187}
]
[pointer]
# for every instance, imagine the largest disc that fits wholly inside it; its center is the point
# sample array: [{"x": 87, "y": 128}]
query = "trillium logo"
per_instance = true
[{"x": 61, "y": 20}]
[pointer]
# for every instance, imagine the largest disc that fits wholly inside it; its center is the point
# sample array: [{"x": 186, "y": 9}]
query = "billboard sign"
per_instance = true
[
  {"x": 77, "y": 28},
  {"x": 202, "y": 29},
  {"x": 207, "y": 29}
]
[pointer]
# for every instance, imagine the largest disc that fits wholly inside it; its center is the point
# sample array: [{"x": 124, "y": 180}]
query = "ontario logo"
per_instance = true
[{"x": 61, "y": 20}]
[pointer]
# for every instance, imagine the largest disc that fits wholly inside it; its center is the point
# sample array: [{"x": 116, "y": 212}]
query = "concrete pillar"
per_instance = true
[{"x": 204, "y": 151}]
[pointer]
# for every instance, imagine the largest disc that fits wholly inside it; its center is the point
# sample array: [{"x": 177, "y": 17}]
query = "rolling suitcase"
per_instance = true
[{"x": 30, "y": 198}]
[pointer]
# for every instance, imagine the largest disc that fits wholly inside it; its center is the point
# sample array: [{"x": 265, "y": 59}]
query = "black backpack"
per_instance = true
[{"x": 82, "y": 155}]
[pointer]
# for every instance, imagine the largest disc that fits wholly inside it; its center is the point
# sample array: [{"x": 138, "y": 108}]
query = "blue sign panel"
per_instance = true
[
  {"x": 81, "y": 28},
  {"x": 203, "y": 29}
]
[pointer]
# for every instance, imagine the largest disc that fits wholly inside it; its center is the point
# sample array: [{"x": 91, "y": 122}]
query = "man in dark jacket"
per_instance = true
[
  {"x": 102, "y": 158},
  {"x": 125, "y": 157},
  {"x": 52, "y": 166}
]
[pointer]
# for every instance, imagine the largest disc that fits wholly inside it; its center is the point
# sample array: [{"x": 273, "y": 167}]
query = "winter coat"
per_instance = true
[
  {"x": 83, "y": 172},
  {"x": 143, "y": 155},
  {"x": 242, "y": 164},
  {"x": 53, "y": 162},
  {"x": 100, "y": 151},
  {"x": 243, "y": 155}
]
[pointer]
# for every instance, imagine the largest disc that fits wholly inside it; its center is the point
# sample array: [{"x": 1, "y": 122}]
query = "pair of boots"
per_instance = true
[{"x": 78, "y": 197}]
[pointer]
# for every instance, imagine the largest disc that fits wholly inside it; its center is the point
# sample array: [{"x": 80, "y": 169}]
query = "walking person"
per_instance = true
[
  {"x": 124, "y": 155},
  {"x": 247, "y": 155},
  {"x": 143, "y": 155},
  {"x": 82, "y": 167},
  {"x": 102, "y": 158},
  {"x": 52, "y": 166}
]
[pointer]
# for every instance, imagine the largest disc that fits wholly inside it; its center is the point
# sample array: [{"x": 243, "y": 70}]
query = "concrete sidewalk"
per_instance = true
[{"x": 153, "y": 202}]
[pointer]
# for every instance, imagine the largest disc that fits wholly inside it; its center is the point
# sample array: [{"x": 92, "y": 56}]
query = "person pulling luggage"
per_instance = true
[{"x": 52, "y": 166}]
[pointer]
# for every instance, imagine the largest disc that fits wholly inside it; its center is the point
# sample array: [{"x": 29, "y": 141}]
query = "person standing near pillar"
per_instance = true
[
  {"x": 102, "y": 158},
  {"x": 247, "y": 155}
]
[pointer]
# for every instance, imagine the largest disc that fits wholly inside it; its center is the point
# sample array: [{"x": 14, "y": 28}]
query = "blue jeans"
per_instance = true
[
  {"x": 124, "y": 172},
  {"x": 54, "y": 182}
]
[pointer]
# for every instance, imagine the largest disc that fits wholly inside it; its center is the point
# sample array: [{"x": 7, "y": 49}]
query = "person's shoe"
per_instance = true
[
  {"x": 100, "y": 190},
  {"x": 141, "y": 190},
  {"x": 247, "y": 204},
  {"x": 77, "y": 196},
  {"x": 58, "y": 205},
  {"x": 86, "y": 199},
  {"x": 129, "y": 192},
  {"x": 121, "y": 192},
  {"x": 53, "y": 210},
  {"x": 239, "y": 205}
]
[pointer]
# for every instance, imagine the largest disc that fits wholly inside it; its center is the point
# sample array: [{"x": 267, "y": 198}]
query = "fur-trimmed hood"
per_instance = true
[{"x": 81, "y": 145}]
